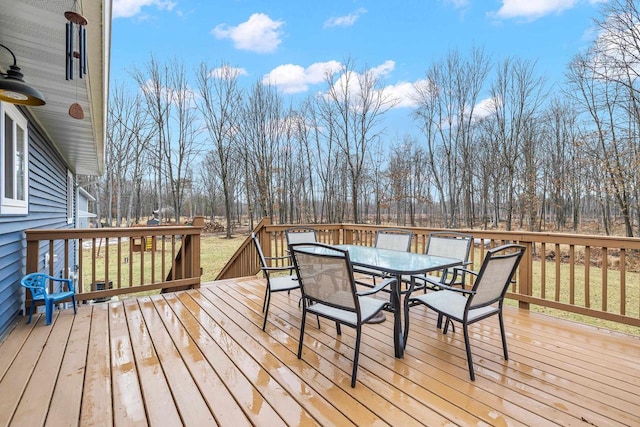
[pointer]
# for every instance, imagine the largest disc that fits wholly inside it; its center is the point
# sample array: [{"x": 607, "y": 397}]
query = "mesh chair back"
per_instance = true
[
  {"x": 301, "y": 235},
  {"x": 325, "y": 275},
  {"x": 495, "y": 275},
  {"x": 263, "y": 260},
  {"x": 450, "y": 245},
  {"x": 394, "y": 239}
]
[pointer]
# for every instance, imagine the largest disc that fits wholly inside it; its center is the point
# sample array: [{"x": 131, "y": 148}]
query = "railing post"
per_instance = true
[
  {"x": 198, "y": 221},
  {"x": 264, "y": 237},
  {"x": 525, "y": 275},
  {"x": 347, "y": 235},
  {"x": 33, "y": 253}
]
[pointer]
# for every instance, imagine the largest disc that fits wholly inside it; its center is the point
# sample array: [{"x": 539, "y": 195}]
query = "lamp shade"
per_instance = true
[{"x": 14, "y": 90}]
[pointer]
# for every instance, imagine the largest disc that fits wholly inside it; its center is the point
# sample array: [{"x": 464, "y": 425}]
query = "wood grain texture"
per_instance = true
[{"x": 199, "y": 357}]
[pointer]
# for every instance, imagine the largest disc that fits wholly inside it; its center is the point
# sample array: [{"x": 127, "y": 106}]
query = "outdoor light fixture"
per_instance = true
[{"x": 14, "y": 90}]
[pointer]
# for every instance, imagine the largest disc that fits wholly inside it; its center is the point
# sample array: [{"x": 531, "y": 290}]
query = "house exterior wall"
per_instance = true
[{"x": 47, "y": 209}]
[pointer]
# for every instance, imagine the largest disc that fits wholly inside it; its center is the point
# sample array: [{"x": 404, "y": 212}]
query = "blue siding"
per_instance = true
[{"x": 47, "y": 209}]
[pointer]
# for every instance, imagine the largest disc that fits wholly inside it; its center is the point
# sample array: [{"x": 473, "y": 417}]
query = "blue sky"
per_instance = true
[{"x": 292, "y": 43}]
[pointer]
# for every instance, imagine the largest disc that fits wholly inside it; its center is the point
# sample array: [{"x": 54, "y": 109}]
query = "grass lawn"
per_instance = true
[{"x": 216, "y": 250}]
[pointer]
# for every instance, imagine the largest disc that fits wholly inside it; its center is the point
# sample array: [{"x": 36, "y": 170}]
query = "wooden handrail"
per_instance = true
[
  {"x": 608, "y": 266},
  {"x": 135, "y": 259}
]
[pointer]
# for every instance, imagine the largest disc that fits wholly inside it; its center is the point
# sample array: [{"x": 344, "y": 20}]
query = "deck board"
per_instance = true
[
  {"x": 67, "y": 396},
  {"x": 199, "y": 357},
  {"x": 153, "y": 383},
  {"x": 96, "y": 391}
]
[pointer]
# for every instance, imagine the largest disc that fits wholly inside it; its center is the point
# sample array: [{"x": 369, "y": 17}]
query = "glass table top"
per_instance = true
[{"x": 390, "y": 261}]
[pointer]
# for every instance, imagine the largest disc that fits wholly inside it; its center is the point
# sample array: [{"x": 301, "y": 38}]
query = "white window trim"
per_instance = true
[
  {"x": 14, "y": 206},
  {"x": 71, "y": 190}
]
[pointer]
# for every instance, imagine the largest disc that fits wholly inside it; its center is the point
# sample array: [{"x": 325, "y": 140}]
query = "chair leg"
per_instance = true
[
  {"x": 266, "y": 295},
  {"x": 467, "y": 345},
  {"x": 73, "y": 299},
  {"x": 448, "y": 322},
  {"x": 49, "y": 311},
  {"x": 338, "y": 328},
  {"x": 354, "y": 372},
  {"x": 265, "y": 309},
  {"x": 33, "y": 303},
  {"x": 317, "y": 317},
  {"x": 504, "y": 336},
  {"x": 302, "y": 324}
]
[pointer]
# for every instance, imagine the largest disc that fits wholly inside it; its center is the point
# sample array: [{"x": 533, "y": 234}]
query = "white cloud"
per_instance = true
[
  {"x": 344, "y": 21},
  {"x": 383, "y": 69},
  {"x": 259, "y": 34},
  {"x": 129, "y": 8},
  {"x": 408, "y": 94},
  {"x": 227, "y": 71},
  {"x": 485, "y": 108},
  {"x": 170, "y": 94},
  {"x": 290, "y": 78},
  {"x": 530, "y": 9},
  {"x": 404, "y": 93}
]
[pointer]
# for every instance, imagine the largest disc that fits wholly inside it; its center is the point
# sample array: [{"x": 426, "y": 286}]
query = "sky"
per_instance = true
[{"x": 291, "y": 44}]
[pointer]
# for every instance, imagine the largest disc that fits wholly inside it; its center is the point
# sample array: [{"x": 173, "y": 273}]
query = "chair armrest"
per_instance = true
[
  {"x": 383, "y": 284},
  {"x": 69, "y": 282},
  {"x": 277, "y": 257},
  {"x": 424, "y": 278},
  {"x": 283, "y": 268},
  {"x": 456, "y": 289},
  {"x": 466, "y": 270}
]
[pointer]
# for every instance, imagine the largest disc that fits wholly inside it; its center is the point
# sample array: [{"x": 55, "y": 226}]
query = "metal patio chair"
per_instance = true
[
  {"x": 301, "y": 234},
  {"x": 329, "y": 290},
  {"x": 449, "y": 244},
  {"x": 395, "y": 239},
  {"x": 483, "y": 300},
  {"x": 274, "y": 283}
]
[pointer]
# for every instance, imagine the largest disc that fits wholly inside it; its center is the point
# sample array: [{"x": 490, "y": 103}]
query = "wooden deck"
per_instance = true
[{"x": 199, "y": 358}]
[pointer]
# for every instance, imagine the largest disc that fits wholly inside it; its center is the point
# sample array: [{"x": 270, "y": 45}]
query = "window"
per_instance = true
[{"x": 14, "y": 168}]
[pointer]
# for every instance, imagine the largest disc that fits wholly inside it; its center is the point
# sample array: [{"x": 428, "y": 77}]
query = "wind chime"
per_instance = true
[{"x": 76, "y": 37}]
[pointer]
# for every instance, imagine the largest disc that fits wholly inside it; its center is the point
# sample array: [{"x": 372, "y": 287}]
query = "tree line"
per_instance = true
[{"x": 495, "y": 145}]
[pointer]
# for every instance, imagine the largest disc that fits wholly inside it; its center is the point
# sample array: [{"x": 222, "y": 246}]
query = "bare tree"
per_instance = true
[
  {"x": 169, "y": 101},
  {"x": 356, "y": 103},
  {"x": 153, "y": 81},
  {"x": 305, "y": 131},
  {"x": 605, "y": 102},
  {"x": 184, "y": 147},
  {"x": 220, "y": 102},
  {"x": 517, "y": 94},
  {"x": 446, "y": 112},
  {"x": 260, "y": 133},
  {"x": 128, "y": 134}
]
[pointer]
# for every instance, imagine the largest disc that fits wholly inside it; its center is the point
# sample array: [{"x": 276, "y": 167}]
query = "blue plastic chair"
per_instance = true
[{"x": 38, "y": 284}]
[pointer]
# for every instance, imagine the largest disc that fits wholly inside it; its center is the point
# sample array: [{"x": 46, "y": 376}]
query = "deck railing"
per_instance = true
[
  {"x": 105, "y": 262},
  {"x": 597, "y": 276}
]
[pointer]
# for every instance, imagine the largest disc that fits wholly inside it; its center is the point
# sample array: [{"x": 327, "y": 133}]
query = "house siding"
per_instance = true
[{"x": 47, "y": 209}]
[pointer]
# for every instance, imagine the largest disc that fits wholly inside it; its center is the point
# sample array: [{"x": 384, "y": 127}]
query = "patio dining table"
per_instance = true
[{"x": 398, "y": 264}]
